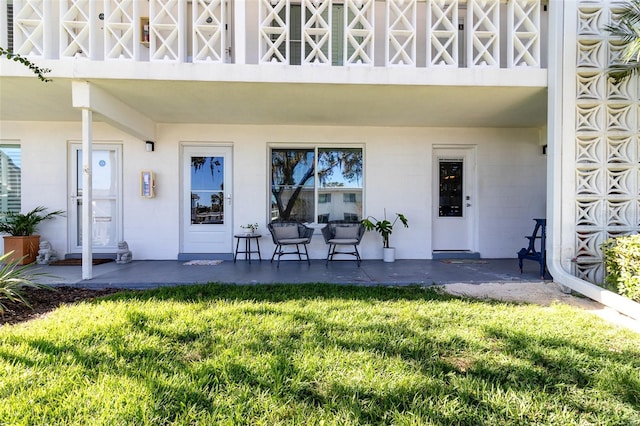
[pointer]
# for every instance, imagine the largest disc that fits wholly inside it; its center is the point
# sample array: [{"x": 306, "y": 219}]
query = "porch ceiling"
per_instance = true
[{"x": 28, "y": 99}]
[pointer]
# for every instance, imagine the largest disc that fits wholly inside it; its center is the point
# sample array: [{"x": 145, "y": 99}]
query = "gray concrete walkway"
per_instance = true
[{"x": 156, "y": 273}]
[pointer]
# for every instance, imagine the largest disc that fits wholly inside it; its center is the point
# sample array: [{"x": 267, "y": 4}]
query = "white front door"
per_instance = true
[
  {"x": 453, "y": 216},
  {"x": 206, "y": 200},
  {"x": 107, "y": 198}
]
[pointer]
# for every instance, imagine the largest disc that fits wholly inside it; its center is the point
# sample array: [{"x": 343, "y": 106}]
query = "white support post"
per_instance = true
[
  {"x": 49, "y": 30},
  {"x": 238, "y": 50},
  {"x": 87, "y": 194},
  {"x": 96, "y": 31}
]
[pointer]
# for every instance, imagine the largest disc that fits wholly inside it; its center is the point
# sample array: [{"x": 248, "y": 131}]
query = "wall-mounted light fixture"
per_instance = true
[
  {"x": 150, "y": 146},
  {"x": 101, "y": 16}
]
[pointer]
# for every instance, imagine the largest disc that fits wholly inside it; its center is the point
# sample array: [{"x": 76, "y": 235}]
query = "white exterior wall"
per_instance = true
[{"x": 398, "y": 176}]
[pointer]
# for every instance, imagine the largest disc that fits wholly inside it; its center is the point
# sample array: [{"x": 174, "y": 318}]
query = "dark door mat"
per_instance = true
[{"x": 78, "y": 262}]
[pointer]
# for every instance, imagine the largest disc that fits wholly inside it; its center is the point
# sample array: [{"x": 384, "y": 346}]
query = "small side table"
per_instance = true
[{"x": 247, "y": 246}]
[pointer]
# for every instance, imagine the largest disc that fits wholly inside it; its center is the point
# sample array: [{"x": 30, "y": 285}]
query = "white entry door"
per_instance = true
[
  {"x": 453, "y": 218},
  {"x": 206, "y": 200},
  {"x": 107, "y": 198}
]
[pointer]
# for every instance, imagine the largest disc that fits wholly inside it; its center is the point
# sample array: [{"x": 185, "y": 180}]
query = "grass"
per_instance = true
[{"x": 316, "y": 354}]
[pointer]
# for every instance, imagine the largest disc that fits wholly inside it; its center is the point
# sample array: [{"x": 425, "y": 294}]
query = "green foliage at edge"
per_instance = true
[
  {"x": 38, "y": 71},
  {"x": 622, "y": 262},
  {"x": 627, "y": 30},
  {"x": 13, "y": 279}
]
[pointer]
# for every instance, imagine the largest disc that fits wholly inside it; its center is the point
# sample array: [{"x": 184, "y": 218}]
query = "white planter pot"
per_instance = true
[{"x": 389, "y": 254}]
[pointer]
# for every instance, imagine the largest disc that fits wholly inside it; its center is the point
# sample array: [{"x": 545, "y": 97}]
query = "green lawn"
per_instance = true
[{"x": 316, "y": 354}]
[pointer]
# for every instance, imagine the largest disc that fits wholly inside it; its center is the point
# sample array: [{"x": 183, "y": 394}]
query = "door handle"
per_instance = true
[{"x": 468, "y": 204}]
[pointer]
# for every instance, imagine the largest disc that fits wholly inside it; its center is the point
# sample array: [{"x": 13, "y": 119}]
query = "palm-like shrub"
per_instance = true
[
  {"x": 25, "y": 224},
  {"x": 14, "y": 278},
  {"x": 627, "y": 29}
]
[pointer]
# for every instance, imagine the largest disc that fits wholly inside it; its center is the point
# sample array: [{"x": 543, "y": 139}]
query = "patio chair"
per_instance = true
[
  {"x": 343, "y": 233},
  {"x": 530, "y": 252},
  {"x": 289, "y": 233}
]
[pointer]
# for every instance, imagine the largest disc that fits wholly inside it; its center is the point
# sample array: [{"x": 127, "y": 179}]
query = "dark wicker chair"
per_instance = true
[
  {"x": 288, "y": 233},
  {"x": 343, "y": 233}
]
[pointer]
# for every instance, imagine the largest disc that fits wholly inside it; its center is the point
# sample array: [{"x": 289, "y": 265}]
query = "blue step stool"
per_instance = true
[{"x": 530, "y": 252}]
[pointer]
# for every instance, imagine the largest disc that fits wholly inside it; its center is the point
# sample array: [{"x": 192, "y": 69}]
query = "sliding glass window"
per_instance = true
[{"x": 316, "y": 184}]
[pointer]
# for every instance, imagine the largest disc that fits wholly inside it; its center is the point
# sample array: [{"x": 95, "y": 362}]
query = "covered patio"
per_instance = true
[{"x": 144, "y": 274}]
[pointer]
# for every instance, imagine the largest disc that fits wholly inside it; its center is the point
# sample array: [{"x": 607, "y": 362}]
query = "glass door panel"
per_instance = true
[{"x": 106, "y": 198}]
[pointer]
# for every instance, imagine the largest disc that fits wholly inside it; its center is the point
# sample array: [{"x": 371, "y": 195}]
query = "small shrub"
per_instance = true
[
  {"x": 13, "y": 279},
  {"x": 622, "y": 262}
]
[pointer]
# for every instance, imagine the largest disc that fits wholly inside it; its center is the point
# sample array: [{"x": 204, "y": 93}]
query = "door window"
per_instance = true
[
  {"x": 450, "y": 184},
  {"x": 207, "y": 190}
]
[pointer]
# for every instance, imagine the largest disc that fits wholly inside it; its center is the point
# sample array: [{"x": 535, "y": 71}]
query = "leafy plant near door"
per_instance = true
[
  {"x": 21, "y": 228},
  {"x": 384, "y": 226},
  {"x": 25, "y": 224}
]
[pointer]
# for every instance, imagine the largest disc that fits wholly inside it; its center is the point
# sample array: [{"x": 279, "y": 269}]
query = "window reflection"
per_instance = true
[
  {"x": 335, "y": 174},
  {"x": 207, "y": 190},
  {"x": 450, "y": 188}
]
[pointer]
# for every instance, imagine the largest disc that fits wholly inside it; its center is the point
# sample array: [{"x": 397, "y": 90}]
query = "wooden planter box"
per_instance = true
[{"x": 23, "y": 246}]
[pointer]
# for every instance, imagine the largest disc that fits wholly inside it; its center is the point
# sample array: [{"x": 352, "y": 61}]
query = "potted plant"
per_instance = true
[
  {"x": 385, "y": 228},
  {"x": 251, "y": 228},
  {"x": 21, "y": 228}
]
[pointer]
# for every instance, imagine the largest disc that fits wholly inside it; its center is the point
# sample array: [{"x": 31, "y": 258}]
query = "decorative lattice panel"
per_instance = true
[
  {"x": 166, "y": 32},
  {"x": 75, "y": 28},
  {"x": 359, "y": 36},
  {"x": 209, "y": 31},
  {"x": 274, "y": 31},
  {"x": 442, "y": 33},
  {"x": 316, "y": 32},
  {"x": 120, "y": 24},
  {"x": 483, "y": 38},
  {"x": 607, "y": 156},
  {"x": 28, "y": 19},
  {"x": 523, "y": 40},
  {"x": 401, "y": 32}
]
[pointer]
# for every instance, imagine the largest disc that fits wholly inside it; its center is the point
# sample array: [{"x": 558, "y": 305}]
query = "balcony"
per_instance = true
[
  {"x": 431, "y": 63},
  {"x": 339, "y": 33}
]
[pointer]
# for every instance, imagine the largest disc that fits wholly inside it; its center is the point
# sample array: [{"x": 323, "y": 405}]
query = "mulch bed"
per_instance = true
[{"x": 43, "y": 301}]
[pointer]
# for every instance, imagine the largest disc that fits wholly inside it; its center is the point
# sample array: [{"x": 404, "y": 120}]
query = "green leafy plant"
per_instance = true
[
  {"x": 25, "y": 224},
  {"x": 13, "y": 280},
  {"x": 384, "y": 226},
  {"x": 39, "y": 72},
  {"x": 622, "y": 263},
  {"x": 627, "y": 29}
]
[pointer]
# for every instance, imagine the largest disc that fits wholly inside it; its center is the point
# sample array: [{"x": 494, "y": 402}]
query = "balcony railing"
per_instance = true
[{"x": 382, "y": 33}]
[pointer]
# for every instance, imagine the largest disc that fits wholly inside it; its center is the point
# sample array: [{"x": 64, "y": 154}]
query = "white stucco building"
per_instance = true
[{"x": 471, "y": 117}]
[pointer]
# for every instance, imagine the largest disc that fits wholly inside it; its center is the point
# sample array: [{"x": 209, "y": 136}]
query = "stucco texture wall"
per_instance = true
[{"x": 398, "y": 175}]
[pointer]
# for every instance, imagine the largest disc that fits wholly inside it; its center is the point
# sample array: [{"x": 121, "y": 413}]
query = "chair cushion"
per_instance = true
[
  {"x": 346, "y": 232},
  {"x": 342, "y": 241},
  {"x": 286, "y": 232},
  {"x": 285, "y": 241}
]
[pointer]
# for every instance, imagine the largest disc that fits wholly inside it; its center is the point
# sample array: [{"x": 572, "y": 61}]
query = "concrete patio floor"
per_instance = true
[{"x": 143, "y": 274}]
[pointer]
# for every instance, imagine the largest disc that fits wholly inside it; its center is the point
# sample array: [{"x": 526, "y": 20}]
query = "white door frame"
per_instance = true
[
  {"x": 470, "y": 198},
  {"x": 74, "y": 215},
  {"x": 190, "y": 247}
]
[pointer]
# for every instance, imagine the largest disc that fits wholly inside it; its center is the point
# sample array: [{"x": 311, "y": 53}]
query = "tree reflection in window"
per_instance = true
[
  {"x": 207, "y": 190},
  {"x": 294, "y": 173}
]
